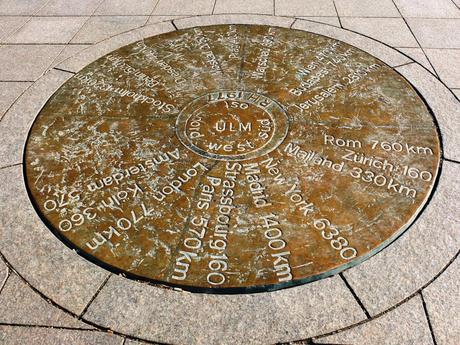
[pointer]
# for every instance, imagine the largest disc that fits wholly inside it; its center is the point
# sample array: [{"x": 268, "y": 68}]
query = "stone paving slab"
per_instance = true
[
  {"x": 122, "y": 7},
  {"x": 69, "y": 8},
  {"x": 10, "y": 91},
  {"x": 232, "y": 19},
  {"x": 326, "y": 20},
  {"x": 22, "y": 67},
  {"x": 158, "y": 19},
  {"x": 98, "y": 28},
  {"x": 436, "y": 33},
  {"x": 4, "y": 273},
  {"x": 92, "y": 53},
  {"x": 366, "y": 8},
  {"x": 447, "y": 65},
  {"x": 67, "y": 52},
  {"x": 48, "y": 30},
  {"x": 183, "y": 7},
  {"x": 405, "y": 325},
  {"x": 14, "y": 335},
  {"x": 19, "y": 304},
  {"x": 8, "y": 25},
  {"x": 16, "y": 122},
  {"x": 244, "y": 6},
  {"x": 418, "y": 255},
  {"x": 443, "y": 303},
  {"x": 304, "y": 8},
  {"x": 134, "y": 342},
  {"x": 14, "y": 7},
  {"x": 392, "y": 31},
  {"x": 384, "y": 53},
  {"x": 56, "y": 271},
  {"x": 165, "y": 315},
  {"x": 443, "y": 103},
  {"x": 427, "y": 9}
]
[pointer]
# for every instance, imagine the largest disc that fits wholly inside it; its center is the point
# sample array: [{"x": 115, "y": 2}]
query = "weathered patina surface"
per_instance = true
[{"x": 232, "y": 158}]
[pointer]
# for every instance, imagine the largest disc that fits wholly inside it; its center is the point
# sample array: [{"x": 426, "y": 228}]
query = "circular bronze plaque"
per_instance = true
[{"x": 232, "y": 158}]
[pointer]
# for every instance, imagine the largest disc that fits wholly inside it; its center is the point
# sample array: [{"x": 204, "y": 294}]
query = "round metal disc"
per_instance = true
[{"x": 232, "y": 158}]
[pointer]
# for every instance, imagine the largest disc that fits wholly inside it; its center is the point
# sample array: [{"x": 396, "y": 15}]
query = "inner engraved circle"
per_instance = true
[
  {"x": 232, "y": 125},
  {"x": 237, "y": 128}
]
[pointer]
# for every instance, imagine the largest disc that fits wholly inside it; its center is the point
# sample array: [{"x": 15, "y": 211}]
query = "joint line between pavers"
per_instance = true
[
  {"x": 95, "y": 295},
  {"x": 144, "y": 24},
  {"x": 86, "y": 21},
  {"x": 308, "y": 341},
  {"x": 34, "y": 44},
  {"x": 404, "y": 64},
  {"x": 174, "y": 24},
  {"x": 63, "y": 70},
  {"x": 95, "y": 15},
  {"x": 438, "y": 48},
  {"x": 427, "y": 316},
  {"x": 10, "y": 166},
  {"x": 148, "y": 16},
  {"x": 154, "y": 8},
  {"x": 451, "y": 160},
  {"x": 40, "y": 8},
  {"x": 46, "y": 43},
  {"x": 293, "y": 22},
  {"x": 455, "y": 4},
  {"x": 3, "y": 283},
  {"x": 315, "y": 21},
  {"x": 355, "y": 296},
  {"x": 214, "y": 7},
  {"x": 48, "y": 326},
  {"x": 336, "y": 11}
]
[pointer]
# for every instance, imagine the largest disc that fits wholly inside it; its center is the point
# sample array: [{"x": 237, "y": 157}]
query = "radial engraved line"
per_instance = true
[
  {"x": 169, "y": 79},
  {"x": 243, "y": 56},
  {"x": 199, "y": 53},
  {"x": 211, "y": 47}
]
